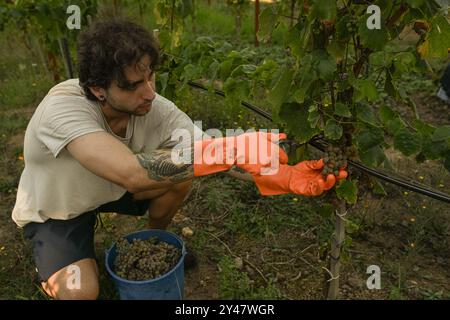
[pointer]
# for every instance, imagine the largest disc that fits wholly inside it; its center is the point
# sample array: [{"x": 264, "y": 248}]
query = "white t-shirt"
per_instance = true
[{"x": 54, "y": 184}]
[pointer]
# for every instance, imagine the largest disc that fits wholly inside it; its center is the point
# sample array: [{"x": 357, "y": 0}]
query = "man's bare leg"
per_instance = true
[
  {"x": 58, "y": 286},
  {"x": 164, "y": 203}
]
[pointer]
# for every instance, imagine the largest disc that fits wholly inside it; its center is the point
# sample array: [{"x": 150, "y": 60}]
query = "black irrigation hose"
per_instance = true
[{"x": 372, "y": 172}]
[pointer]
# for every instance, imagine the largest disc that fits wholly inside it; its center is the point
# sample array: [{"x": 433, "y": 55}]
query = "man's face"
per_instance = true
[{"x": 136, "y": 94}]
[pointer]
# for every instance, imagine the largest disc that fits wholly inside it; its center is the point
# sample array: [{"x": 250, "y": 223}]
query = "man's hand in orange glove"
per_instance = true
[
  {"x": 304, "y": 178},
  {"x": 250, "y": 151}
]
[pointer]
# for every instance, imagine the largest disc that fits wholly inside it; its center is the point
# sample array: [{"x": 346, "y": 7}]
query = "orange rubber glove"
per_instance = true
[
  {"x": 304, "y": 178},
  {"x": 245, "y": 151}
]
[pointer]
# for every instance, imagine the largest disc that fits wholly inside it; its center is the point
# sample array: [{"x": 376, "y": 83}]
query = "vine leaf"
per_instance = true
[
  {"x": 369, "y": 138},
  {"x": 281, "y": 90},
  {"x": 365, "y": 89},
  {"x": 342, "y": 110},
  {"x": 365, "y": 113},
  {"x": 437, "y": 41},
  {"x": 407, "y": 142},
  {"x": 347, "y": 190},
  {"x": 324, "y": 9},
  {"x": 295, "y": 115},
  {"x": 442, "y": 133},
  {"x": 374, "y": 39},
  {"x": 333, "y": 130},
  {"x": 267, "y": 23}
]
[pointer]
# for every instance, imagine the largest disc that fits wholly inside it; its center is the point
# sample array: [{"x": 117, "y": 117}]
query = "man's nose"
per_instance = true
[{"x": 149, "y": 91}]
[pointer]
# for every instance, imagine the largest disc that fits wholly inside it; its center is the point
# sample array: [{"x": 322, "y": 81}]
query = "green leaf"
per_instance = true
[
  {"x": 347, "y": 190},
  {"x": 425, "y": 129},
  {"x": 268, "y": 20},
  {"x": 389, "y": 86},
  {"x": 342, "y": 110},
  {"x": 225, "y": 68},
  {"x": 295, "y": 115},
  {"x": 407, "y": 142},
  {"x": 364, "y": 112},
  {"x": 373, "y": 157},
  {"x": 393, "y": 126},
  {"x": 365, "y": 89},
  {"x": 162, "y": 80},
  {"x": 433, "y": 150},
  {"x": 369, "y": 138},
  {"x": 437, "y": 41},
  {"x": 324, "y": 9},
  {"x": 325, "y": 65},
  {"x": 404, "y": 62},
  {"x": 243, "y": 70},
  {"x": 303, "y": 88},
  {"x": 378, "y": 187},
  {"x": 333, "y": 130},
  {"x": 297, "y": 38},
  {"x": 387, "y": 114},
  {"x": 281, "y": 91},
  {"x": 313, "y": 118},
  {"x": 415, "y": 3},
  {"x": 374, "y": 39},
  {"x": 235, "y": 91},
  {"x": 442, "y": 133},
  {"x": 336, "y": 50}
]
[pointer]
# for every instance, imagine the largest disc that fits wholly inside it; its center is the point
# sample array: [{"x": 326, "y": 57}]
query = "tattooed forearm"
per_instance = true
[{"x": 160, "y": 167}]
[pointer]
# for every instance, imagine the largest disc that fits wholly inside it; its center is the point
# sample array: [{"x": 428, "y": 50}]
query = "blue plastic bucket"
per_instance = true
[{"x": 169, "y": 286}]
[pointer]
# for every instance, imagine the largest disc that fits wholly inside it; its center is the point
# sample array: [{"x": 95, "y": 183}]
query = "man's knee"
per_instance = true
[
  {"x": 182, "y": 187},
  {"x": 78, "y": 281}
]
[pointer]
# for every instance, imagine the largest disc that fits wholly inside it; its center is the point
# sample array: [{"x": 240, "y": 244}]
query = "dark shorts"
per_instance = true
[{"x": 59, "y": 243}]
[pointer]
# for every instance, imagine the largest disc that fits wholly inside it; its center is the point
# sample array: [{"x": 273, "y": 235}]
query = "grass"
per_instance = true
[{"x": 236, "y": 285}]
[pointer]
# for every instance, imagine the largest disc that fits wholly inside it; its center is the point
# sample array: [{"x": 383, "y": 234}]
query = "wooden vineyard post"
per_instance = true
[
  {"x": 335, "y": 253},
  {"x": 256, "y": 22}
]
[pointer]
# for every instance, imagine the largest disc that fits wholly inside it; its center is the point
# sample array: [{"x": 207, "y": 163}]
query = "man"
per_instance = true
[
  {"x": 103, "y": 143},
  {"x": 444, "y": 90}
]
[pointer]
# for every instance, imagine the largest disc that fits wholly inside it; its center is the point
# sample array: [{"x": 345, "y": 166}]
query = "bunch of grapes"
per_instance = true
[
  {"x": 318, "y": 28},
  {"x": 334, "y": 160},
  {"x": 144, "y": 259},
  {"x": 352, "y": 25}
]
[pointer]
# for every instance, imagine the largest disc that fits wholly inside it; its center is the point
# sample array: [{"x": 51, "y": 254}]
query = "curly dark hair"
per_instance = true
[{"x": 107, "y": 47}]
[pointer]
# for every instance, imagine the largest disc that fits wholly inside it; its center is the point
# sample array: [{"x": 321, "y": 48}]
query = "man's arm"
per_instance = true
[
  {"x": 240, "y": 174},
  {"x": 109, "y": 158}
]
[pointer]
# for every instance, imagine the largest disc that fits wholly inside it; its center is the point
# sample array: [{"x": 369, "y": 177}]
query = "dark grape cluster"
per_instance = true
[
  {"x": 144, "y": 259},
  {"x": 334, "y": 159},
  {"x": 352, "y": 25}
]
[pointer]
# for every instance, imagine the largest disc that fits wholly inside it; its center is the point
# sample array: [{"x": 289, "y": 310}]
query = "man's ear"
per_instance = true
[{"x": 98, "y": 92}]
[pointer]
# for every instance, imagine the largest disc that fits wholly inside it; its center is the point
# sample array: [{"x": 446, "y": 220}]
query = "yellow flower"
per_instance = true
[
  {"x": 405, "y": 193},
  {"x": 412, "y": 219},
  {"x": 412, "y": 245},
  {"x": 420, "y": 177},
  {"x": 20, "y": 158},
  {"x": 424, "y": 207},
  {"x": 295, "y": 199}
]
